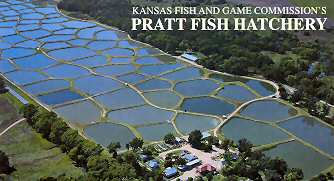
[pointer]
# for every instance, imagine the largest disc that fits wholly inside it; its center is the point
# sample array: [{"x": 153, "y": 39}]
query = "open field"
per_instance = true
[
  {"x": 8, "y": 112},
  {"x": 32, "y": 156}
]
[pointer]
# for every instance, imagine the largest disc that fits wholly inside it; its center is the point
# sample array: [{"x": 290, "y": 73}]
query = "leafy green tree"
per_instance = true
[
  {"x": 213, "y": 140},
  {"x": 169, "y": 138},
  {"x": 294, "y": 174},
  {"x": 29, "y": 112},
  {"x": 245, "y": 146},
  {"x": 282, "y": 92},
  {"x": 5, "y": 168},
  {"x": 43, "y": 122},
  {"x": 70, "y": 139},
  {"x": 136, "y": 143},
  {"x": 226, "y": 143},
  {"x": 195, "y": 138},
  {"x": 149, "y": 150},
  {"x": 58, "y": 128},
  {"x": 113, "y": 147},
  {"x": 279, "y": 165},
  {"x": 2, "y": 86}
]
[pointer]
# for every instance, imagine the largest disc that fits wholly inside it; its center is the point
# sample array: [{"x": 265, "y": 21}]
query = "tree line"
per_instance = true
[{"x": 92, "y": 157}]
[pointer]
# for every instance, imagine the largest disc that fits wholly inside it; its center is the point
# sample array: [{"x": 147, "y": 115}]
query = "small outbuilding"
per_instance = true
[
  {"x": 206, "y": 168},
  {"x": 153, "y": 164},
  {"x": 170, "y": 172},
  {"x": 194, "y": 163},
  {"x": 189, "y": 157},
  {"x": 190, "y": 57}
]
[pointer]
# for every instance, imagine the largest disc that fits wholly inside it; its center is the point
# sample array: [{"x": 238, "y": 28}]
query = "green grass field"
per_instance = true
[
  {"x": 8, "y": 111},
  {"x": 327, "y": 3},
  {"x": 32, "y": 156}
]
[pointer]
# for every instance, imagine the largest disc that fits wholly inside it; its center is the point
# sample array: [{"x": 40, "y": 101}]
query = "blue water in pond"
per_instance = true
[
  {"x": 141, "y": 115},
  {"x": 89, "y": 33},
  {"x": 196, "y": 87},
  {"x": 105, "y": 133},
  {"x": 184, "y": 74},
  {"x": 52, "y": 27},
  {"x": 121, "y": 60},
  {"x": 154, "y": 84},
  {"x": 57, "y": 45},
  {"x": 66, "y": 71},
  {"x": 55, "y": 20},
  {"x": 257, "y": 133},
  {"x": 37, "y": 61},
  {"x": 104, "y": 84},
  {"x": 118, "y": 52},
  {"x": 207, "y": 105},
  {"x": 13, "y": 39},
  {"x": 6, "y": 66},
  {"x": 299, "y": 156},
  {"x": 260, "y": 87},
  {"x": 59, "y": 97},
  {"x": 32, "y": 16},
  {"x": 79, "y": 42},
  {"x": 132, "y": 78},
  {"x": 21, "y": 77},
  {"x": 66, "y": 32},
  {"x": 147, "y": 51},
  {"x": 28, "y": 44},
  {"x": 47, "y": 86},
  {"x": 46, "y": 10},
  {"x": 126, "y": 44},
  {"x": 122, "y": 98},
  {"x": 313, "y": 131},
  {"x": 8, "y": 24},
  {"x": 4, "y": 45},
  {"x": 56, "y": 38},
  {"x": 92, "y": 61},
  {"x": 156, "y": 132},
  {"x": 268, "y": 110},
  {"x": 7, "y": 31},
  {"x": 78, "y": 24},
  {"x": 101, "y": 45},
  {"x": 158, "y": 69},
  {"x": 17, "y": 53},
  {"x": 236, "y": 92},
  {"x": 187, "y": 123},
  {"x": 148, "y": 60},
  {"x": 27, "y": 27},
  {"x": 71, "y": 53},
  {"x": 115, "y": 69},
  {"x": 106, "y": 35},
  {"x": 89, "y": 112}
]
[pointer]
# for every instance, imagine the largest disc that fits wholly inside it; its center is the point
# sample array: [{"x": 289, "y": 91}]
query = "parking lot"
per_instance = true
[{"x": 205, "y": 157}]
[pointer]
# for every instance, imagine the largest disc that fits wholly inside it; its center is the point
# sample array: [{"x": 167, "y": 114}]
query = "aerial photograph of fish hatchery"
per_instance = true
[{"x": 166, "y": 90}]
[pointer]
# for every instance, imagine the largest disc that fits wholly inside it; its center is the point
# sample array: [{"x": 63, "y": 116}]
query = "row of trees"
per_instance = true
[{"x": 85, "y": 153}]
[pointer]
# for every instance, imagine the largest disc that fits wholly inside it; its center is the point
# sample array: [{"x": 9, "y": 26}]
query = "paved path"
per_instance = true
[{"x": 12, "y": 125}]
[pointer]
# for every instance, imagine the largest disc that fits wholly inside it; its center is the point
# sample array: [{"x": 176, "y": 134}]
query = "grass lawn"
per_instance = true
[
  {"x": 327, "y": 3},
  {"x": 32, "y": 156},
  {"x": 8, "y": 111}
]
